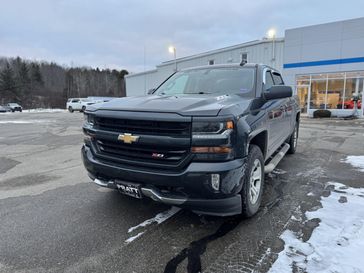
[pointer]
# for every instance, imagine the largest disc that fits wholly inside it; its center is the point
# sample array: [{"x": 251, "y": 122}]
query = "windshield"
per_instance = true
[{"x": 226, "y": 80}]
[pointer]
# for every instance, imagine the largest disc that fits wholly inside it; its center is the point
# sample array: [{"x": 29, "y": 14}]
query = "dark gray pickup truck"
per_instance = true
[{"x": 202, "y": 140}]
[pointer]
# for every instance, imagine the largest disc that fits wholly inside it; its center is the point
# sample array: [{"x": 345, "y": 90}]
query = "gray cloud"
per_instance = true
[{"x": 114, "y": 33}]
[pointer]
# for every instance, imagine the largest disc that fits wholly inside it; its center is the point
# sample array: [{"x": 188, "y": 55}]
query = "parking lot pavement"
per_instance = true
[{"x": 54, "y": 220}]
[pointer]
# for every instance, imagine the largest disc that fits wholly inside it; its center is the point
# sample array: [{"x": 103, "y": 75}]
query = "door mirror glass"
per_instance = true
[{"x": 278, "y": 92}]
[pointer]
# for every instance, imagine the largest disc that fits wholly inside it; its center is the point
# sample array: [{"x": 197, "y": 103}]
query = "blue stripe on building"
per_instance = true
[{"x": 325, "y": 62}]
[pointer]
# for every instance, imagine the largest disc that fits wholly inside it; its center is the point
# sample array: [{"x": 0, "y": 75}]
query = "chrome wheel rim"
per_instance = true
[{"x": 255, "y": 181}]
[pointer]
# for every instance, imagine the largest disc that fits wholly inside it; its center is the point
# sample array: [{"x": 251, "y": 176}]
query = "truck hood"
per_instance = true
[{"x": 204, "y": 105}]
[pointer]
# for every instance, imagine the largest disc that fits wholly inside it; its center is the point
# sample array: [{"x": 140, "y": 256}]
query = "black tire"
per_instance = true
[
  {"x": 251, "y": 205},
  {"x": 70, "y": 109},
  {"x": 83, "y": 109},
  {"x": 293, "y": 139}
]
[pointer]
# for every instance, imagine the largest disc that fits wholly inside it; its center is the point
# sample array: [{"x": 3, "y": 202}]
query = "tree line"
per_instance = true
[{"x": 36, "y": 84}]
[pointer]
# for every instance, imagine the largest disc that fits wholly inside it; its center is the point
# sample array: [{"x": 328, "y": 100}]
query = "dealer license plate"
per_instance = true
[{"x": 130, "y": 189}]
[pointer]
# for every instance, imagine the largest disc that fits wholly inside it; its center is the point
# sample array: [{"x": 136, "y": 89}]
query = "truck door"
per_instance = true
[
  {"x": 275, "y": 111},
  {"x": 288, "y": 115}
]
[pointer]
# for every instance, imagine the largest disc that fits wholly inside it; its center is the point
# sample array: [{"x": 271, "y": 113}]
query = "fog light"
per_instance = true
[{"x": 215, "y": 181}]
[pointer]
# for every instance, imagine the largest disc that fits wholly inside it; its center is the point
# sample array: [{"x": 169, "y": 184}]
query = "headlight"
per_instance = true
[
  {"x": 89, "y": 119},
  {"x": 211, "y": 127},
  {"x": 212, "y": 140}
]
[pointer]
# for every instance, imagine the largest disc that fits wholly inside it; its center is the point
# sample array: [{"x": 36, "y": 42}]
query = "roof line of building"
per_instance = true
[
  {"x": 207, "y": 53},
  {"x": 214, "y": 51}
]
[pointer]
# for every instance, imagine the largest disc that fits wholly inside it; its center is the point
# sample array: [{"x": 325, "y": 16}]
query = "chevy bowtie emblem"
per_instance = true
[{"x": 128, "y": 138}]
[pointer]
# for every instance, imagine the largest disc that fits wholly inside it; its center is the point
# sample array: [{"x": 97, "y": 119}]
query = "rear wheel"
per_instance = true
[
  {"x": 293, "y": 140},
  {"x": 70, "y": 109},
  {"x": 253, "y": 182}
]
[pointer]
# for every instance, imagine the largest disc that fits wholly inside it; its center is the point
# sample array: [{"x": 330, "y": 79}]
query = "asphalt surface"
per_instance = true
[{"x": 52, "y": 219}]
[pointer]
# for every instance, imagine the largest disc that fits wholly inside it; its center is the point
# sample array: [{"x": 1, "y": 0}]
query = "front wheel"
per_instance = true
[
  {"x": 83, "y": 109},
  {"x": 253, "y": 182}
]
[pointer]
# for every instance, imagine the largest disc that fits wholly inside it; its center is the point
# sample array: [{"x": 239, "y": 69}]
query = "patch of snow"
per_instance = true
[
  {"x": 44, "y": 110},
  {"x": 355, "y": 161},
  {"x": 264, "y": 256},
  {"x": 310, "y": 194},
  {"x": 129, "y": 240},
  {"x": 159, "y": 218},
  {"x": 29, "y": 121},
  {"x": 336, "y": 245}
]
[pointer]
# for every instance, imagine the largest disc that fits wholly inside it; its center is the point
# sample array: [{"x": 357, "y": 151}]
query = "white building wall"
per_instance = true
[
  {"x": 332, "y": 41},
  {"x": 258, "y": 52}
]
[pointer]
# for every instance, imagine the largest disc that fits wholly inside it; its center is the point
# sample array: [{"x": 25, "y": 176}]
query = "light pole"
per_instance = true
[
  {"x": 272, "y": 35},
  {"x": 172, "y": 49}
]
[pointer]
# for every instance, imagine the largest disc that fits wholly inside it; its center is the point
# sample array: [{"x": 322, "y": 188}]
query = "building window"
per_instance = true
[
  {"x": 211, "y": 62},
  {"x": 335, "y": 93},
  {"x": 244, "y": 57},
  {"x": 330, "y": 90}
]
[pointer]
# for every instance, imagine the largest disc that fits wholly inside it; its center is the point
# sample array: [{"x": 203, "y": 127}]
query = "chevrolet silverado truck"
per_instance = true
[{"x": 202, "y": 140}]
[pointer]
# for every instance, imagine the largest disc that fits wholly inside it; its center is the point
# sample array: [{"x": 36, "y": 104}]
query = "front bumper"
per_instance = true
[{"x": 190, "y": 188}]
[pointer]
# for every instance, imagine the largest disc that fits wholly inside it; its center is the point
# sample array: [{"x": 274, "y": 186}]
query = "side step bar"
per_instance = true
[{"x": 276, "y": 159}]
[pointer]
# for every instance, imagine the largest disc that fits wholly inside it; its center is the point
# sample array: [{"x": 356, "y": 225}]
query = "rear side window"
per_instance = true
[
  {"x": 75, "y": 100},
  {"x": 277, "y": 79}
]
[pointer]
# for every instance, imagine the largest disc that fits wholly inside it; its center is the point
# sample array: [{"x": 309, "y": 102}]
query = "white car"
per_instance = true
[{"x": 78, "y": 104}]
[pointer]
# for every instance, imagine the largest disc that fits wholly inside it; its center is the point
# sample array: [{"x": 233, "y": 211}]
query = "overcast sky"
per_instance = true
[{"x": 114, "y": 33}]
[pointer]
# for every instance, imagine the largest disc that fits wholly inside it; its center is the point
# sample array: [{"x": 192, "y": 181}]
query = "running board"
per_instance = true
[{"x": 276, "y": 159}]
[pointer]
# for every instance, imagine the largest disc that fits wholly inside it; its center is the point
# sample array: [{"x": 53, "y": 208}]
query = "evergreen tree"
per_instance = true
[
  {"x": 36, "y": 76},
  {"x": 23, "y": 79},
  {"x": 7, "y": 81}
]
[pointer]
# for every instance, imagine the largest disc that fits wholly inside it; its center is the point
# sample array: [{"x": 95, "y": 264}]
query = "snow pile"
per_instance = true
[
  {"x": 336, "y": 245},
  {"x": 356, "y": 161}
]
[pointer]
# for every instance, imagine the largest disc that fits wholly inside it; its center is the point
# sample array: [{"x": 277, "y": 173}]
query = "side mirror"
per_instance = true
[
  {"x": 278, "y": 92},
  {"x": 151, "y": 91}
]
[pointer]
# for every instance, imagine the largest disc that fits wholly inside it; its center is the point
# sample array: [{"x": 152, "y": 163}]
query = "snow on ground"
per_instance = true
[
  {"x": 28, "y": 121},
  {"x": 129, "y": 240},
  {"x": 159, "y": 218},
  {"x": 336, "y": 245},
  {"x": 44, "y": 110},
  {"x": 355, "y": 161}
]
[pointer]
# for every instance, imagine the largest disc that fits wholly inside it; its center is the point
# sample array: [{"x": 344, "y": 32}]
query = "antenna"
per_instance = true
[{"x": 243, "y": 62}]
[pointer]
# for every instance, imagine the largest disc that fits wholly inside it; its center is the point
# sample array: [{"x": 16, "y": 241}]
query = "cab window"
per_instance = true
[
  {"x": 277, "y": 79},
  {"x": 268, "y": 80}
]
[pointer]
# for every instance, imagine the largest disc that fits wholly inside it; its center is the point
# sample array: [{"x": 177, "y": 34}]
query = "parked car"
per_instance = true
[
  {"x": 4, "y": 109},
  {"x": 78, "y": 104},
  {"x": 203, "y": 140},
  {"x": 14, "y": 107}
]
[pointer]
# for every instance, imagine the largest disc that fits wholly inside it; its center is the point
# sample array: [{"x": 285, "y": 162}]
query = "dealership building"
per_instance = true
[{"x": 323, "y": 63}]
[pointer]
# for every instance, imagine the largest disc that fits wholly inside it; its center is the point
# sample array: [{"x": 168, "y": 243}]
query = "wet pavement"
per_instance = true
[{"x": 54, "y": 220}]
